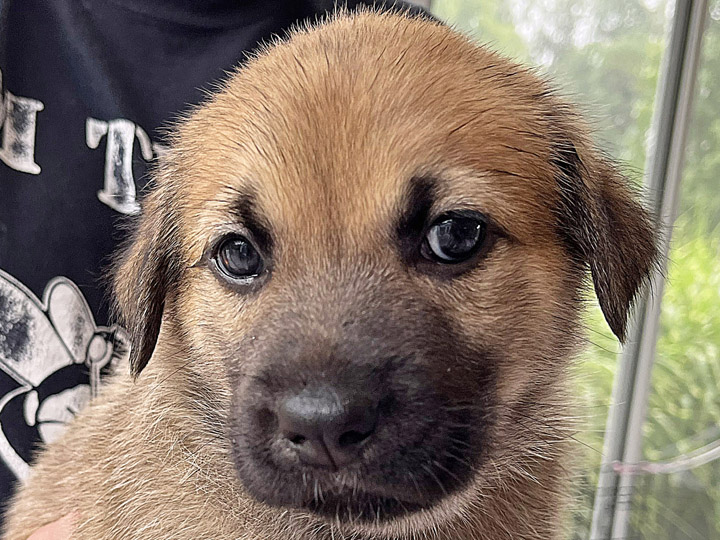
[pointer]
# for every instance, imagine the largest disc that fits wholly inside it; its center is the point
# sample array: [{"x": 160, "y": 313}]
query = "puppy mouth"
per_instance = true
[
  {"x": 357, "y": 506},
  {"x": 346, "y": 498}
]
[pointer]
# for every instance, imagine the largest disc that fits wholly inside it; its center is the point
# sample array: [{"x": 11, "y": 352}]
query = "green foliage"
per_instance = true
[
  {"x": 488, "y": 21},
  {"x": 702, "y": 169},
  {"x": 684, "y": 406},
  {"x": 608, "y": 55}
]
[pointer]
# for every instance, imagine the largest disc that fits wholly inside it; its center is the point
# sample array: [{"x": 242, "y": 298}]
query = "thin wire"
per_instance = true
[{"x": 684, "y": 462}]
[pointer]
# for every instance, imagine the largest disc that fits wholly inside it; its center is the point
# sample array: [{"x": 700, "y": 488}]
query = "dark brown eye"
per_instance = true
[
  {"x": 454, "y": 237},
  {"x": 238, "y": 259}
]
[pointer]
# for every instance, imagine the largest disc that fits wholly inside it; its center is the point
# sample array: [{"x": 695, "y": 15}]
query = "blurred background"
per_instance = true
[{"x": 611, "y": 57}]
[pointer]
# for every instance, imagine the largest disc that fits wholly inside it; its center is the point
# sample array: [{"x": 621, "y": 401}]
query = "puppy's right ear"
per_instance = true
[{"x": 145, "y": 274}]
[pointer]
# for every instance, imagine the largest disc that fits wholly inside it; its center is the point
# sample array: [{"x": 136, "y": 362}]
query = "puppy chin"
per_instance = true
[{"x": 360, "y": 514}]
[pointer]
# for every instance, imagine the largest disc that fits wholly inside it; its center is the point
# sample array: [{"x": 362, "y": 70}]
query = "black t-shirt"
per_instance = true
[{"x": 86, "y": 87}]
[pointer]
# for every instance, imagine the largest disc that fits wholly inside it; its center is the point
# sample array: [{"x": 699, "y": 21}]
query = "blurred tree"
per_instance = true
[
  {"x": 488, "y": 21},
  {"x": 701, "y": 180}
]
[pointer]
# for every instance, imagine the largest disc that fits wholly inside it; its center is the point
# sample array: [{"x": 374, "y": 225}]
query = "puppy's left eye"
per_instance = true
[
  {"x": 237, "y": 258},
  {"x": 454, "y": 237}
]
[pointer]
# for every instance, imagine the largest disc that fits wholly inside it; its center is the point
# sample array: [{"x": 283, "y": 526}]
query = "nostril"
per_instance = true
[
  {"x": 297, "y": 439},
  {"x": 352, "y": 438}
]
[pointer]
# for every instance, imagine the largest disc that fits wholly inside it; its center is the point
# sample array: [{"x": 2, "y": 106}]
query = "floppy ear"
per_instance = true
[
  {"x": 145, "y": 273},
  {"x": 605, "y": 228}
]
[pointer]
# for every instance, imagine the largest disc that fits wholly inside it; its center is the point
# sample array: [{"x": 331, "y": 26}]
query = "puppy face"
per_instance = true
[{"x": 370, "y": 248}]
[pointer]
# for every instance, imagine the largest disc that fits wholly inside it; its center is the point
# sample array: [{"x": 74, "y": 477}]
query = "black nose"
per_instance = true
[{"x": 326, "y": 427}]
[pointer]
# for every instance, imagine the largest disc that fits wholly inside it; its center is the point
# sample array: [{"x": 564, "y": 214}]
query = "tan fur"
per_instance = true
[{"x": 326, "y": 128}]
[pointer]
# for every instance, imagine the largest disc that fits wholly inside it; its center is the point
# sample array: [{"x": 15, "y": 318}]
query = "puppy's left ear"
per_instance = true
[
  {"x": 605, "y": 228},
  {"x": 145, "y": 275}
]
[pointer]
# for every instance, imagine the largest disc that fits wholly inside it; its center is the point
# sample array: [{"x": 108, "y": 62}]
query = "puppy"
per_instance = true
[{"x": 353, "y": 296}]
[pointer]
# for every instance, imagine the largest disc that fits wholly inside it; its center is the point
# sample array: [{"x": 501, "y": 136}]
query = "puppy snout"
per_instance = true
[{"x": 327, "y": 426}]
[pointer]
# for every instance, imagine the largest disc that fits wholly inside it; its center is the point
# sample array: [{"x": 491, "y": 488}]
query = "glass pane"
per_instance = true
[
  {"x": 678, "y": 506},
  {"x": 606, "y": 56},
  {"x": 684, "y": 407}
]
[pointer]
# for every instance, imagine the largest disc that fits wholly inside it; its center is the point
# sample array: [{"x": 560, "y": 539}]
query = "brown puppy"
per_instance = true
[{"x": 367, "y": 253}]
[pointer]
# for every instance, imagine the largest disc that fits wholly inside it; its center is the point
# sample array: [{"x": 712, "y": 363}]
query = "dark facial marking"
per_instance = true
[
  {"x": 245, "y": 209},
  {"x": 414, "y": 215}
]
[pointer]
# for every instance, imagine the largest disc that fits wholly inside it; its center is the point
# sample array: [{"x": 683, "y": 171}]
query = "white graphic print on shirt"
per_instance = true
[
  {"x": 47, "y": 347},
  {"x": 18, "y": 123},
  {"x": 18, "y": 117},
  {"x": 119, "y": 191}
]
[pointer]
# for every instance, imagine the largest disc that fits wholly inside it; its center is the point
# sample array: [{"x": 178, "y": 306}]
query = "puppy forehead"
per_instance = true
[{"x": 326, "y": 132}]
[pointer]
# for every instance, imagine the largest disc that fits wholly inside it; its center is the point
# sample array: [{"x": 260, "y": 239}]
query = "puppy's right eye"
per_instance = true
[{"x": 238, "y": 259}]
